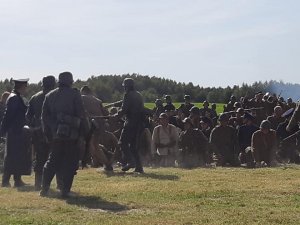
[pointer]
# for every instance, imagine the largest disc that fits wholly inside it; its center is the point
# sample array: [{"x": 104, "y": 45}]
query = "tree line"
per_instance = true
[{"x": 109, "y": 88}]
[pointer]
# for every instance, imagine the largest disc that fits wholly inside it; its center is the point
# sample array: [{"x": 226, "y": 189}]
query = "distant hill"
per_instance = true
[{"x": 109, "y": 88}]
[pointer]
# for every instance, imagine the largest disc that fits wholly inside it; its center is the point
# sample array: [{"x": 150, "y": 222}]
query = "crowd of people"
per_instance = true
[{"x": 63, "y": 128}]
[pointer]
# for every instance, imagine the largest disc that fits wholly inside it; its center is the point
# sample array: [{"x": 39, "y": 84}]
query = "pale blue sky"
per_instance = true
[{"x": 207, "y": 42}]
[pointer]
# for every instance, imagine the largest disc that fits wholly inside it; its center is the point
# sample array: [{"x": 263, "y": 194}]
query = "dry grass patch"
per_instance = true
[{"x": 163, "y": 196}]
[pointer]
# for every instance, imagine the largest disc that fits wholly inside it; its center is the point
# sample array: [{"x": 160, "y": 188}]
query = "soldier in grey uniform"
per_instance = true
[
  {"x": 133, "y": 109},
  {"x": 62, "y": 117},
  {"x": 33, "y": 116}
]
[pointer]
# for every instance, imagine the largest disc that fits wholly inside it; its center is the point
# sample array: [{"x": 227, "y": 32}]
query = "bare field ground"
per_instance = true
[{"x": 163, "y": 196}]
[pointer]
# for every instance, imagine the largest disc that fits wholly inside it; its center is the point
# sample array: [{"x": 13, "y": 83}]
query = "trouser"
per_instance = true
[
  {"x": 6, "y": 177},
  {"x": 63, "y": 160},
  {"x": 129, "y": 149},
  {"x": 41, "y": 150}
]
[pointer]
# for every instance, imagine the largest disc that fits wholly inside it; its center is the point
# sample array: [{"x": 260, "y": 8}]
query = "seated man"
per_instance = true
[
  {"x": 244, "y": 134},
  {"x": 264, "y": 145},
  {"x": 165, "y": 141},
  {"x": 193, "y": 145},
  {"x": 223, "y": 142},
  {"x": 102, "y": 147}
]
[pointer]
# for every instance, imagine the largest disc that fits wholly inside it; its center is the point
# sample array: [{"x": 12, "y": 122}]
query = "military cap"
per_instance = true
[
  {"x": 187, "y": 120},
  {"x": 265, "y": 124},
  {"x": 240, "y": 110},
  {"x": 195, "y": 110},
  {"x": 288, "y": 113},
  {"x": 237, "y": 105},
  {"x": 158, "y": 102},
  {"x": 65, "y": 78},
  {"x": 48, "y": 81},
  {"x": 248, "y": 116},
  {"x": 20, "y": 80},
  {"x": 187, "y": 97},
  {"x": 167, "y": 97},
  {"x": 205, "y": 102},
  {"x": 163, "y": 116},
  {"x": 224, "y": 117},
  {"x": 128, "y": 82},
  {"x": 259, "y": 93},
  {"x": 85, "y": 89}
]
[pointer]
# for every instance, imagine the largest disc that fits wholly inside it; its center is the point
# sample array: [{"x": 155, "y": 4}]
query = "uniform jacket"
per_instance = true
[
  {"x": 62, "y": 100},
  {"x": 264, "y": 146},
  {"x": 165, "y": 135}
]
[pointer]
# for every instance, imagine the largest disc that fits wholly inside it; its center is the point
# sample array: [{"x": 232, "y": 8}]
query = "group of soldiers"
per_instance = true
[
  {"x": 251, "y": 132},
  {"x": 63, "y": 128}
]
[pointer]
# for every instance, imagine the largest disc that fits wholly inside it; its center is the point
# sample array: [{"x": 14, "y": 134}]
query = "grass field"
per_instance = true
[{"x": 163, "y": 196}]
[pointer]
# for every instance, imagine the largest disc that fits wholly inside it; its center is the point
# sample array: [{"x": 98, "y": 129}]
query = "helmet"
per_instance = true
[
  {"x": 128, "y": 82},
  {"x": 195, "y": 110}
]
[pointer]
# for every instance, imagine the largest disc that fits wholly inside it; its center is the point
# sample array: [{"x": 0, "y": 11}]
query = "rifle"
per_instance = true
[
  {"x": 292, "y": 136},
  {"x": 114, "y": 104}
]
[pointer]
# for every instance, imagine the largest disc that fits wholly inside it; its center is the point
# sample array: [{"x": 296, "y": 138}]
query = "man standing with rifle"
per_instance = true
[{"x": 133, "y": 109}]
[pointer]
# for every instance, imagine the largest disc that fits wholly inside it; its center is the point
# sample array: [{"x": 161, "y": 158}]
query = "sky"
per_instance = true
[{"x": 207, "y": 42}]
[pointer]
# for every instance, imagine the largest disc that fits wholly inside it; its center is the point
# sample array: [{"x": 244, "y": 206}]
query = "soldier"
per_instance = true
[
  {"x": 288, "y": 139},
  {"x": 193, "y": 145},
  {"x": 17, "y": 159},
  {"x": 92, "y": 105},
  {"x": 62, "y": 117},
  {"x": 133, "y": 108},
  {"x": 295, "y": 118},
  {"x": 276, "y": 118},
  {"x": 186, "y": 106},
  {"x": 230, "y": 105},
  {"x": 103, "y": 146},
  {"x": 214, "y": 114},
  {"x": 223, "y": 142},
  {"x": 205, "y": 111},
  {"x": 206, "y": 125},
  {"x": 195, "y": 116},
  {"x": 244, "y": 135},
  {"x": 33, "y": 116},
  {"x": 169, "y": 105},
  {"x": 94, "y": 109},
  {"x": 257, "y": 102},
  {"x": 158, "y": 109},
  {"x": 290, "y": 104},
  {"x": 264, "y": 145},
  {"x": 165, "y": 141},
  {"x": 4, "y": 97}
]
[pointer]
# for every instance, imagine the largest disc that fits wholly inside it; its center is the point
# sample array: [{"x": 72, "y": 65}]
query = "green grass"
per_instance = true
[{"x": 163, "y": 196}]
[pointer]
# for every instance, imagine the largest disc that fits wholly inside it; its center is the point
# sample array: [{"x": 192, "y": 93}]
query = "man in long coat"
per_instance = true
[{"x": 17, "y": 159}]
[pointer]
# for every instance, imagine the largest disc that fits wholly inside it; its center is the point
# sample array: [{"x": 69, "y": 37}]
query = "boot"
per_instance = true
[
  {"x": 5, "y": 180},
  {"x": 18, "y": 181},
  {"x": 38, "y": 181}
]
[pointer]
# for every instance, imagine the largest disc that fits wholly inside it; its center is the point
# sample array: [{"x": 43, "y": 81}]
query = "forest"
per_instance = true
[{"x": 109, "y": 88}]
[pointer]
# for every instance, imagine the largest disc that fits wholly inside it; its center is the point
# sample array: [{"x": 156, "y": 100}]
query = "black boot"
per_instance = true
[
  {"x": 18, "y": 181},
  {"x": 5, "y": 180}
]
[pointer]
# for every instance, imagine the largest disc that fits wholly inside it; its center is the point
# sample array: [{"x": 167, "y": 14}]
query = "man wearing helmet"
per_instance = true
[{"x": 133, "y": 110}]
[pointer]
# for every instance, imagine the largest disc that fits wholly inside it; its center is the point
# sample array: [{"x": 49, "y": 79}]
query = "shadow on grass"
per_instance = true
[
  {"x": 143, "y": 175},
  {"x": 96, "y": 203}
]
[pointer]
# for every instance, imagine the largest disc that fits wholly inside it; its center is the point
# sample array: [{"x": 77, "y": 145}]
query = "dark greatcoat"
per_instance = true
[{"x": 17, "y": 157}]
